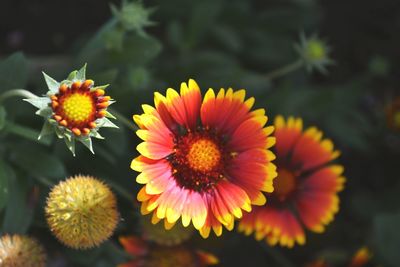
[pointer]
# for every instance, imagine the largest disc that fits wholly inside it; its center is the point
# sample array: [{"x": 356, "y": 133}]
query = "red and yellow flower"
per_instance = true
[
  {"x": 74, "y": 109},
  {"x": 203, "y": 160},
  {"x": 306, "y": 189},
  {"x": 152, "y": 255}
]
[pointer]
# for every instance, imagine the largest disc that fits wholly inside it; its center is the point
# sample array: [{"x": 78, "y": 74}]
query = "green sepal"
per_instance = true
[
  {"x": 70, "y": 144},
  {"x": 109, "y": 115},
  {"x": 87, "y": 142},
  {"x": 68, "y": 134},
  {"x": 47, "y": 129},
  {"x": 39, "y": 102},
  {"x": 81, "y": 74},
  {"x": 72, "y": 75},
  {"x": 106, "y": 123},
  {"x": 102, "y": 87},
  {"x": 59, "y": 133},
  {"x": 52, "y": 84},
  {"x": 46, "y": 112},
  {"x": 67, "y": 82},
  {"x": 95, "y": 134}
]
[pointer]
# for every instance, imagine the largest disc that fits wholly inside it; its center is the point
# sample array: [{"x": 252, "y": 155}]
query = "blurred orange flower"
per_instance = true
[
  {"x": 305, "y": 190},
  {"x": 152, "y": 255}
]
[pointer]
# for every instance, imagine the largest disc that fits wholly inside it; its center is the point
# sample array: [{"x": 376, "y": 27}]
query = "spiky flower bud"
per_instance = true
[
  {"x": 81, "y": 212},
  {"x": 133, "y": 16},
  {"x": 74, "y": 109},
  {"x": 314, "y": 52},
  {"x": 21, "y": 251}
]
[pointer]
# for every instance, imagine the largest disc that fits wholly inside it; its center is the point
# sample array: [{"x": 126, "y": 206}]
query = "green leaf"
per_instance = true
[
  {"x": 5, "y": 173},
  {"x": 387, "y": 237},
  {"x": 18, "y": 214},
  {"x": 24, "y": 132},
  {"x": 13, "y": 72},
  {"x": 38, "y": 162},
  {"x": 52, "y": 84},
  {"x": 2, "y": 117},
  {"x": 81, "y": 74}
]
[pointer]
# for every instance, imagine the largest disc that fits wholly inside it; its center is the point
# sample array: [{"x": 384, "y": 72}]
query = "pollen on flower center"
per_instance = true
[
  {"x": 199, "y": 160},
  {"x": 284, "y": 184},
  {"x": 78, "y": 107},
  {"x": 203, "y": 155}
]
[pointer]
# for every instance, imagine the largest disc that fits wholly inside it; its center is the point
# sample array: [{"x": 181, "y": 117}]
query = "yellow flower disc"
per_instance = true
[
  {"x": 81, "y": 212},
  {"x": 78, "y": 107},
  {"x": 21, "y": 251}
]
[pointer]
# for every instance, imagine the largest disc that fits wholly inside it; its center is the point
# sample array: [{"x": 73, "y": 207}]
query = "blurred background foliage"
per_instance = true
[{"x": 139, "y": 47}]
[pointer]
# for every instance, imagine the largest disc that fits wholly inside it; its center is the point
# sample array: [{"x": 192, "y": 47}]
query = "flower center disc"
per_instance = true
[
  {"x": 203, "y": 155},
  {"x": 199, "y": 160},
  {"x": 284, "y": 184},
  {"x": 78, "y": 107}
]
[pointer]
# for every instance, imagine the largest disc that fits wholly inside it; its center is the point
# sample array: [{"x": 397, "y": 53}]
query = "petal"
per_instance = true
[
  {"x": 161, "y": 104},
  {"x": 191, "y": 97},
  {"x": 253, "y": 171},
  {"x": 310, "y": 152},
  {"x": 159, "y": 139},
  {"x": 225, "y": 112},
  {"x": 286, "y": 135},
  {"x": 134, "y": 245},
  {"x": 176, "y": 106},
  {"x": 207, "y": 258},
  {"x": 153, "y": 150},
  {"x": 279, "y": 225},
  {"x": 250, "y": 135},
  {"x": 194, "y": 209},
  {"x": 327, "y": 179},
  {"x": 316, "y": 209}
]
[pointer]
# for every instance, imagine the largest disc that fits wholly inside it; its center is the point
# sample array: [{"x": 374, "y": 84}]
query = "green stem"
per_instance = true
[
  {"x": 25, "y": 132},
  {"x": 45, "y": 181},
  {"x": 285, "y": 70},
  {"x": 16, "y": 92},
  {"x": 120, "y": 117}
]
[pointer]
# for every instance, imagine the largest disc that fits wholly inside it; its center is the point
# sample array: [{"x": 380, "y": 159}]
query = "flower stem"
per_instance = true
[
  {"x": 120, "y": 117},
  {"x": 25, "y": 132},
  {"x": 16, "y": 92},
  {"x": 285, "y": 70}
]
